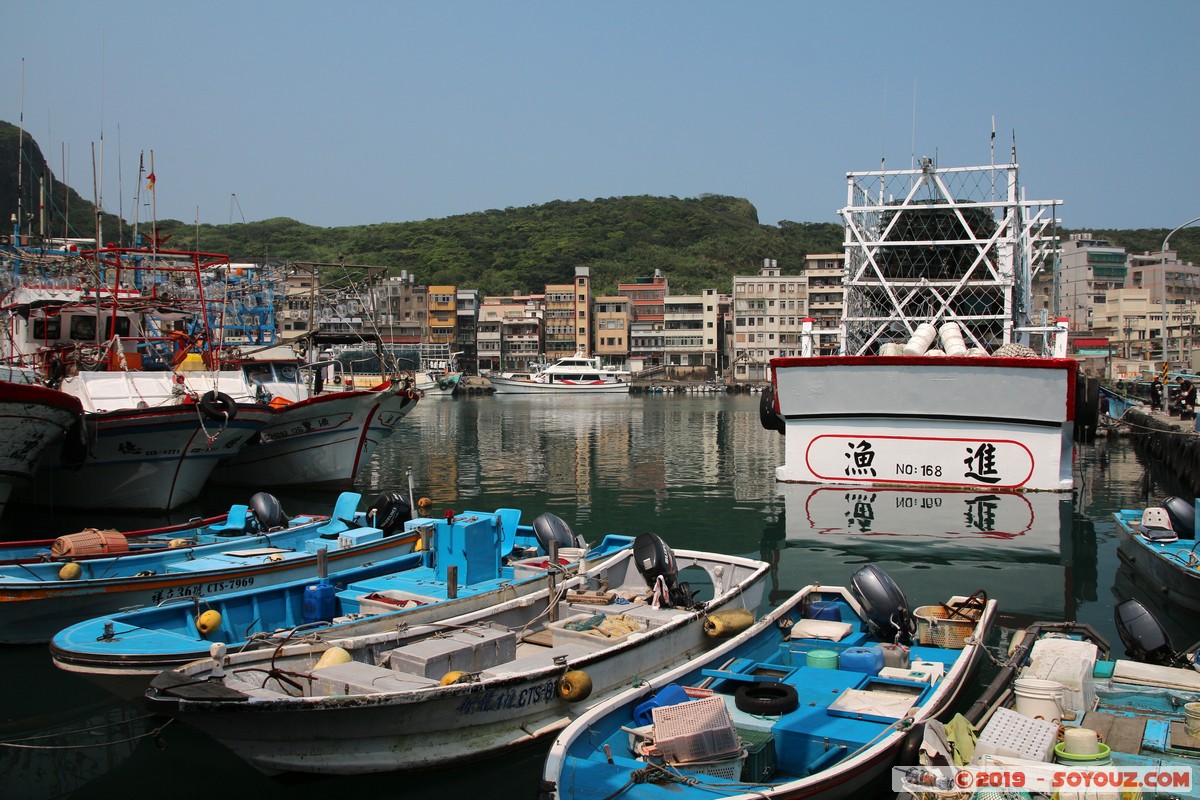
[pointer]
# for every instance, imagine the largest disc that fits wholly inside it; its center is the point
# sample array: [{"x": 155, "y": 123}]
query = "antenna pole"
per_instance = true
[{"x": 21, "y": 154}]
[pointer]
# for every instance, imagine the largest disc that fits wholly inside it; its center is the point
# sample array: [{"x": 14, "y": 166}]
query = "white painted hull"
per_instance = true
[
  {"x": 977, "y": 423},
  {"x": 509, "y": 386},
  {"x": 323, "y": 441},
  {"x": 151, "y": 459},
  {"x": 429, "y": 726}
]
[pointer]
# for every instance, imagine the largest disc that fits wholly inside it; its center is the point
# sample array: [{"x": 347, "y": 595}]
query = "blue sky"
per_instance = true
[{"x": 349, "y": 113}]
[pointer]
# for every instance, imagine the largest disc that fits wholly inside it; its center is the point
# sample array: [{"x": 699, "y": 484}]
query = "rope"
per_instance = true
[{"x": 19, "y": 744}]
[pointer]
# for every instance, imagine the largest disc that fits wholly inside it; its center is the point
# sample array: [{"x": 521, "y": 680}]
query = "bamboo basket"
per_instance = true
[{"x": 938, "y": 628}]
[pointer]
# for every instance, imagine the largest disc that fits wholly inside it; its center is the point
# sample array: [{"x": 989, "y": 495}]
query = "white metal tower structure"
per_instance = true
[{"x": 938, "y": 245}]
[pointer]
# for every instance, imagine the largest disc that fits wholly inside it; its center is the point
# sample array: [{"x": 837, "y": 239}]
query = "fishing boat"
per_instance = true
[
  {"x": 1061, "y": 709},
  {"x": 576, "y": 374},
  {"x": 470, "y": 686},
  {"x": 817, "y": 699},
  {"x": 944, "y": 380},
  {"x": 124, "y": 650},
  {"x": 33, "y": 422},
  {"x": 1159, "y": 543},
  {"x": 104, "y": 542},
  {"x": 262, "y": 547}
]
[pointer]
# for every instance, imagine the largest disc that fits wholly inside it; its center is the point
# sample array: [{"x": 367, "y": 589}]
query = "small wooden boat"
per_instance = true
[
  {"x": 124, "y": 650},
  {"x": 435, "y": 695},
  {"x": 802, "y": 704},
  {"x": 261, "y": 548},
  {"x": 101, "y": 543},
  {"x": 1159, "y": 544},
  {"x": 1059, "y": 703}
]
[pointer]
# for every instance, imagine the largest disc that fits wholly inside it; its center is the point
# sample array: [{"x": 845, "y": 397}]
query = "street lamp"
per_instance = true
[{"x": 1167, "y": 239}]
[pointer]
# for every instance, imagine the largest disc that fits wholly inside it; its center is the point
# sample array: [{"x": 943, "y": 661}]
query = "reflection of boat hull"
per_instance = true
[
  {"x": 937, "y": 423},
  {"x": 1172, "y": 568},
  {"x": 146, "y": 459},
  {"x": 1023, "y": 536},
  {"x": 322, "y": 441}
]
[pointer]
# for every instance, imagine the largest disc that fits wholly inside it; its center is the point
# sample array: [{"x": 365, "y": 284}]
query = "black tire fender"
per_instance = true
[
  {"x": 218, "y": 406},
  {"x": 766, "y": 699}
]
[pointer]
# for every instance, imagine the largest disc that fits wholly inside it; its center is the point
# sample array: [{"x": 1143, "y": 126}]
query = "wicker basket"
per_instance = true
[{"x": 936, "y": 626}]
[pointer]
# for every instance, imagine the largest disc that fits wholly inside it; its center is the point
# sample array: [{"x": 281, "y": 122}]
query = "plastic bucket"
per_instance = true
[
  {"x": 823, "y": 659},
  {"x": 1100, "y": 758},
  {"x": 1192, "y": 718},
  {"x": 1081, "y": 742},
  {"x": 1039, "y": 699},
  {"x": 571, "y": 553}
]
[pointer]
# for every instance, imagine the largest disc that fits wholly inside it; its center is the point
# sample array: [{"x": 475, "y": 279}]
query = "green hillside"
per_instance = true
[{"x": 697, "y": 242}]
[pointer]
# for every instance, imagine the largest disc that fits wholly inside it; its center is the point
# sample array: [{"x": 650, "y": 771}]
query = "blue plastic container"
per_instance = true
[
  {"x": 862, "y": 659},
  {"x": 825, "y": 609},
  {"x": 670, "y": 695},
  {"x": 320, "y": 602}
]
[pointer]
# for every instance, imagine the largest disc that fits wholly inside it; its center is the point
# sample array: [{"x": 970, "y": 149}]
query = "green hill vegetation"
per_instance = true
[{"x": 698, "y": 243}]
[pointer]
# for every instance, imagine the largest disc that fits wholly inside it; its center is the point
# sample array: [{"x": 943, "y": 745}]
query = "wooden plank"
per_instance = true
[
  {"x": 1181, "y": 739},
  {"x": 1100, "y": 722},
  {"x": 543, "y": 637},
  {"x": 1126, "y": 734}
]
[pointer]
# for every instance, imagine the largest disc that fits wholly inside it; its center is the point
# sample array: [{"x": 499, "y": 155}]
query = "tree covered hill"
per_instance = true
[{"x": 698, "y": 243}]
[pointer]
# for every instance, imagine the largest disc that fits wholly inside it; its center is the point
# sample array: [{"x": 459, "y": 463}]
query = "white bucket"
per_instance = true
[
  {"x": 571, "y": 553},
  {"x": 922, "y": 337},
  {"x": 1039, "y": 699},
  {"x": 1081, "y": 741},
  {"x": 1192, "y": 718}
]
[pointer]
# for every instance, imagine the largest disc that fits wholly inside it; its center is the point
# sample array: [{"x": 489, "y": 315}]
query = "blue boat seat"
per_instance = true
[
  {"x": 235, "y": 521},
  {"x": 343, "y": 515}
]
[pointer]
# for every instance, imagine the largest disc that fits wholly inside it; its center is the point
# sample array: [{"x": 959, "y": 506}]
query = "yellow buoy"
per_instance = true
[
  {"x": 208, "y": 622},
  {"x": 419, "y": 546},
  {"x": 454, "y": 676},
  {"x": 334, "y": 655},
  {"x": 576, "y": 685},
  {"x": 179, "y": 543},
  {"x": 424, "y": 502},
  {"x": 70, "y": 571},
  {"x": 728, "y": 622}
]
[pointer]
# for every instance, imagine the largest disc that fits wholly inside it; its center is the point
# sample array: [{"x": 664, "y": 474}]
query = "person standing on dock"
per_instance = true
[{"x": 1156, "y": 394}]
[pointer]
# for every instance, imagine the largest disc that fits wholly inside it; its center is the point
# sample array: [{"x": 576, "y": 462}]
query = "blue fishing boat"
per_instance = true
[
  {"x": 1159, "y": 543},
  {"x": 257, "y": 545},
  {"x": 124, "y": 650},
  {"x": 1059, "y": 706},
  {"x": 817, "y": 699}
]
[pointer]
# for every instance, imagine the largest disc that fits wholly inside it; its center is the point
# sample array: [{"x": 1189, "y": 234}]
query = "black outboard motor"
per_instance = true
[
  {"x": 1144, "y": 637},
  {"x": 884, "y": 603},
  {"x": 655, "y": 560},
  {"x": 550, "y": 528},
  {"x": 389, "y": 512},
  {"x": 1183, "y": 517},
  {"x": 268, "y": 512}
]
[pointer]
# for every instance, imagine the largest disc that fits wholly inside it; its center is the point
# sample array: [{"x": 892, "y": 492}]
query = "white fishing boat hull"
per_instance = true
[
  {"x": 322, "y": 441},
  {"x": 144, "y": 459},
  {"x": 395, "y": 721},
  {"x": 949, "y": 422},
  {"x": 512, "y": 386}
]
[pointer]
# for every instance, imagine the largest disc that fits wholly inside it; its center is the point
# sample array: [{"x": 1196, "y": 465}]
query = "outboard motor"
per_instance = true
[
  {"x": 268, "y": 512},
  {"x": 1144, "y": 637},
  {"x": 656, "y": 561},
  {"x": 550, "y": 528},
  {"x": 1182, "y": 515},
  {"x": 884, "y": 603},
  {"x": 389, "y": 512}
]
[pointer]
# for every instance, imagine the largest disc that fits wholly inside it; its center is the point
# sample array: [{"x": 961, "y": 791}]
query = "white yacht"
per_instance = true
[{"x": 576, "y": 374}]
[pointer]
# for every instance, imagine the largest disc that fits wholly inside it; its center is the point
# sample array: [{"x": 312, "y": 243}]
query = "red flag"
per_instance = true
[{"x": 150, "y": 181}]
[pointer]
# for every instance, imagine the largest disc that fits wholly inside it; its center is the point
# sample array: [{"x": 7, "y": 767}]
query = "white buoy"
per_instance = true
[
  {"x": 920, "y": 340},
  {"x": 950, "y": 335}
]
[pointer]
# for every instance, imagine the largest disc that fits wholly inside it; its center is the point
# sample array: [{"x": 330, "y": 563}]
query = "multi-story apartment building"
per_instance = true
[
  {"x": 611, "y": 317},
  {"x": 646, "y": 299},
  {"x": 401, "y": 305},
  {"x": 569, "y": 316},
  {"x": 466, "y": 330},
  {"x": 768, "y": 314},
  {"x": 443, "y": 314},
  {"x": 509, "y": 333},
  {"x": 826, "y": 296},
  {"x": 690, "y": 330}
]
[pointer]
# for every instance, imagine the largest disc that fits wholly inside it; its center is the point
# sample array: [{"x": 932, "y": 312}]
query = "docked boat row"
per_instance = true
[{"x": 138, "y": 405}]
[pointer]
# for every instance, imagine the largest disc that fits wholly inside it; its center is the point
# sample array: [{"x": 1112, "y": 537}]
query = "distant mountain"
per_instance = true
[{"x": 698, "y": 242}]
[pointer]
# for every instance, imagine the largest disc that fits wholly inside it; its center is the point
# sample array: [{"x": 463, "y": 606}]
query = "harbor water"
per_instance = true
[{"x": 696, "y": 469}]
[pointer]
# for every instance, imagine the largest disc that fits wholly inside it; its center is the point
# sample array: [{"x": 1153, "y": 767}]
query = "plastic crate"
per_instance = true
[
  {"x": 727, "y": 769},
  {"x": 759, "y": 766},
  {"x": 697, "y": 730},
  {"x": 1010, "y": 733}
]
